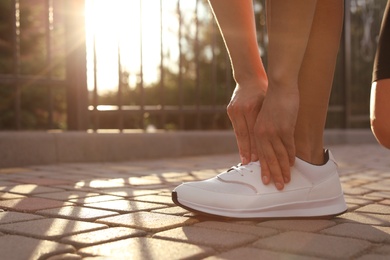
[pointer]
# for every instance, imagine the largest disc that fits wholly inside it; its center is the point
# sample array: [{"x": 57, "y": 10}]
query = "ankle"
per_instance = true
[{"x": 307, "y": 153}]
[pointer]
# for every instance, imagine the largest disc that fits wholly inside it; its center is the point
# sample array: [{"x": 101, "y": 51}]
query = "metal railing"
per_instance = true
[{"x": 192, "y": 81}]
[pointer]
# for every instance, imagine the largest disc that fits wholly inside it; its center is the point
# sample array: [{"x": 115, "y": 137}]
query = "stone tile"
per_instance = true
[
  {"x": 94, "y": 199},
  {"x": 157, "y": 186},
  {"x": 17, "y": 247},
  {"x": 206, "y": 236},
  {"x": 382, "y": 249},
  {"x": 99, "y": 184},
  {"x": 245, "y": 222},
  {"x": 65, "y": 257},
  {"x": 373, "y": 257},
  {"x": 314, "y": 245},
  {"x": 70, "y": 176},
  {"x": 78, "y": 188},
  {"x": 357, "y": 201},
  {"x": 206, "y": 173},
  {"x": 175, "y": 175},
  {"x": 239, "y": 228},
  {"x": 382, "y": 185},
  {"x": 306, "y": 225},
  {"x": 129, "y": 169},
  {"x": 35, "y": 173},
  {"x": 155, "y": 199},
  {"x": 78, "y": 213},
  {"x": 385, "y": 202},
  {"x": 127, "y": 192},
  {"x": 31, "y": 204},
  {"x": 379, "y": 194},
  {"x": 355, "y": 190},
  {"x": 352, "y": 207},
  {"x": 12, "y": 217},
  {"x": 66, "y": 195},
  {"x": 148, "y": 221},
  {"x": 369, "y": 197},
  {"x": 172, "y": 211},
  {"x": 365, "y": 218},
  {"x": 357, "y": 182},
  {"x": 42, "y": 181},
  {"x": 4, "y": 183},
  {"x": 143, "y": 181},
  {"x": 255, "y": 253},
  {"x": 14, "y": 170},
  {"x": 103, "y": 235},
  {"x": 49, "y": 228},
  {"x": 147, "y": 248},
  {"x": 10, "y": 196},
  {"x": 167, "y": 193},
  {"x": 125, "y": 206},
  {"x": 26, "y": 189},
  {"x": 375, "y": 208},
  {"x": 360, "y": 231}
]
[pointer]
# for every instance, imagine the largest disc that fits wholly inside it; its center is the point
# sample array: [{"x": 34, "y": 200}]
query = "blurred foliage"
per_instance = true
[
  {"x": 205, "y": 80},
  {"x": 34, "y": 98},
  {"x": 205, "y": 77},
  {"x": 6, "y": 33}
]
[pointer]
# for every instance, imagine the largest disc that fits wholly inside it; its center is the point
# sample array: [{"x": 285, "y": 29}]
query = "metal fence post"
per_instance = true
[
  {"x": 76, "y": 65},
  {"x": 347, "y": 63}
]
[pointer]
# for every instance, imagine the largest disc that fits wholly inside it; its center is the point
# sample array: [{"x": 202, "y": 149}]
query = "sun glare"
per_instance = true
[
  {"x": 122, "y": 25},
  {"x": 115, "y": 25}
]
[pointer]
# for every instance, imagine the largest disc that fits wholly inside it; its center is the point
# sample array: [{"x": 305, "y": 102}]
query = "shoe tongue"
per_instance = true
[
  {"x": 255, "y": 163},
  {"x": 252, "y": 168},
  {"x": 240, "y": 167}
]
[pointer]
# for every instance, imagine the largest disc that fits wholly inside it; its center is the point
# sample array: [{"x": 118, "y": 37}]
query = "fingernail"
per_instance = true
[
  {"x": 243, "y": 160},
  {"x": 253, "y": 157},
  {"x": 279, "y": 186},
  {"x": 265, "y": 179},
  {"x": 286, "y": 180}
]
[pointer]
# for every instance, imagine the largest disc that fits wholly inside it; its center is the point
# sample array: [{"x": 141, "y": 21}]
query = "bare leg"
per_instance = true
[
  {"x": 380, "y": 88},
  {"x": 315, "y": 79},
  {"x": 237, "y": 25},
  {"x": 379, "y": 111},
  {"x": 289, "y": 25}
]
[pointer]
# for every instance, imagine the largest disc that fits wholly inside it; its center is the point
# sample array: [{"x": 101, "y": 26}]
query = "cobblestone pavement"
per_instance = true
[{"x": 124, "y": 211}]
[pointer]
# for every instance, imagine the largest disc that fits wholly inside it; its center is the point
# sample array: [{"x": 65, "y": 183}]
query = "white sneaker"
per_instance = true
[{"x": 314, "y": 191}]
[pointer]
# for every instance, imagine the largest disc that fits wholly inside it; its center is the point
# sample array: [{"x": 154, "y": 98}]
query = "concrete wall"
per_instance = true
[{"x": 36, "y": 148}]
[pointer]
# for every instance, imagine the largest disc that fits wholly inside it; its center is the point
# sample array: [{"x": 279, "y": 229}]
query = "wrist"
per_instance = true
[
  {"x": 282, "y": 81},
  {"x": 248, "y": 79}
]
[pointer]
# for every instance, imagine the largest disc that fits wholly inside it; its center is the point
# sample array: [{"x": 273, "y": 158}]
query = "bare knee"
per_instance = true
[
  {"x": 381, "y": 131},
  {"x": 380, "y": 110}
]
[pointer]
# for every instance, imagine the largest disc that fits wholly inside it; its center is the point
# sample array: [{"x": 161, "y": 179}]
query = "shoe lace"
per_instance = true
[{"x": 241, "y": 169}]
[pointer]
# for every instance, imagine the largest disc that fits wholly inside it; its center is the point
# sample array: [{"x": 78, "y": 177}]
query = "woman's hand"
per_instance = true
[
  {"x": 274, "y": 134},
  {"x": 243, "y": 111}
]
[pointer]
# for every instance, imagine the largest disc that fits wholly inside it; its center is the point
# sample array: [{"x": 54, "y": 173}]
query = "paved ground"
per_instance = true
[{"x": 124, "y": 211}]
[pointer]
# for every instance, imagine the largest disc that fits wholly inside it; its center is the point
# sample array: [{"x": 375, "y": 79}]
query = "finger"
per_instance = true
[
  {"x": 265, "y": 174},
  {"x": 250, "y": 121},
  {"x": 283, "y": 159},
  {"x": 290, "y": 148},
  {"x": 271, "y": 160},
  {"x": 242, "y": 137}
]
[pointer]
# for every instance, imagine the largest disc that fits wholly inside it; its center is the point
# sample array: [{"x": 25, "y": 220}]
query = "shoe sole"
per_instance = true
[{"x": 281, "y": 212}]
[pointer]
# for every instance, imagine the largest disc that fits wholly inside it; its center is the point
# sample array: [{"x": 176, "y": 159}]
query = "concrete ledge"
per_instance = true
[{"x": 36, "y": 148}]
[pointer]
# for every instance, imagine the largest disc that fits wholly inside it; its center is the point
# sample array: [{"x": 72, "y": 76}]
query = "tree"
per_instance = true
[{"x": 32, "y": 61}]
